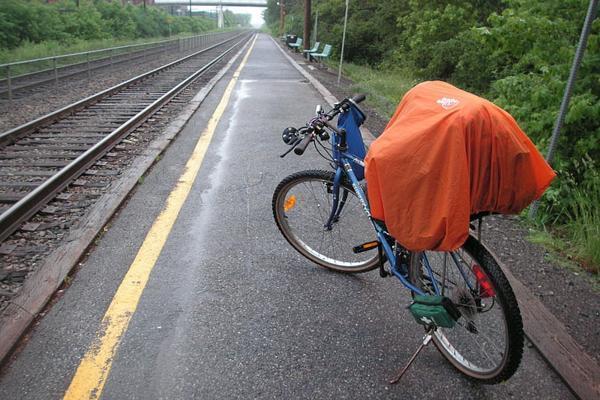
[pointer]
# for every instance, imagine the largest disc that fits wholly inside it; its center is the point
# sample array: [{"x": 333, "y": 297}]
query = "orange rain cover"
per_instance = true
[{"x": 444, "y": 155}]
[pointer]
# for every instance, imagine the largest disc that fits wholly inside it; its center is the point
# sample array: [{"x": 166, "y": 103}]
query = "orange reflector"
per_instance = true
[
  {"x": 290, "y": 202},
  {"x": 485, "y": 286}
]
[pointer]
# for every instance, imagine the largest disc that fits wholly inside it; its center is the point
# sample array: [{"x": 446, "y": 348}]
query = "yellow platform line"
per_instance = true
[{"x": 94, "y": 368}]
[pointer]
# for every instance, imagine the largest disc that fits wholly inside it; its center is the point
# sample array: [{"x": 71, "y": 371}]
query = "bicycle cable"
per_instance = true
[{"x": 328, "y": 156}]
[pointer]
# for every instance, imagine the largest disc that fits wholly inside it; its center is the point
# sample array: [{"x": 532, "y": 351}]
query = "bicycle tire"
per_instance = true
[
  {"x": 302, "y": 224},
  {"x": 454, "y": 343}
]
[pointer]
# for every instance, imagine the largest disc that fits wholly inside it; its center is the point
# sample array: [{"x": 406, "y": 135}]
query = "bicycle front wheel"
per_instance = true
[
  {"x": 487, "y": 342},
  {"x": 302, "y": 204}
]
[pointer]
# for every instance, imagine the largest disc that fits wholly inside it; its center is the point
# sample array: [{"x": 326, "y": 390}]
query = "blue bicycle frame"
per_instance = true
[
  {"x": 344, "y": 167},
  {"x": 447, "y": 299},
  {"x": 344, "y": 161}
]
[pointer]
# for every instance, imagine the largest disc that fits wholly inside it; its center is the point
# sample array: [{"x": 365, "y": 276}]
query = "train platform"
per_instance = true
[{"x": 192, "y": 292}]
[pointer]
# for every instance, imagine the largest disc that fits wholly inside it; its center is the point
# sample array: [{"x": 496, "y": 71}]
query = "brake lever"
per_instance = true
[{"x": 298, "y": 140}]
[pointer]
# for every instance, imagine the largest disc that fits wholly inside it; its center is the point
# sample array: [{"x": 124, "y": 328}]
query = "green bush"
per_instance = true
[
  {"x": 119, "y": 20},
  {"x": 34, "y": 21}
]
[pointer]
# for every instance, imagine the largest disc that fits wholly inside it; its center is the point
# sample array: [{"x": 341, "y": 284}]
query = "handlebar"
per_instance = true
[
  {"x": 344, "y": 105},
  {"x": 358, "y": 98},
  {"x": 299, "y": 149},
  {"x": 299, "y": 144}
]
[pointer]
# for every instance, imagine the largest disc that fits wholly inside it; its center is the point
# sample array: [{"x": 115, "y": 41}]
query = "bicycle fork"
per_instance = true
[{"x": 337, "y": 204}]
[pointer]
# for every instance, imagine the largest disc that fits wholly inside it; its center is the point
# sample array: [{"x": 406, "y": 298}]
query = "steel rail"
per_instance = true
[
  {"x": 11, "y": 219},
  {"x": 11, "y": 135}
]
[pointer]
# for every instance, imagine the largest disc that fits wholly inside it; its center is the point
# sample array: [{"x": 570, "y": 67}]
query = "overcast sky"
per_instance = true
[{"x": 256, "y": 12}]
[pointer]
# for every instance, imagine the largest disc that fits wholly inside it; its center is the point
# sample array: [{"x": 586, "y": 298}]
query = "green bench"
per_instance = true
[
  {"x": 314, "y": 49},
  {"x": 295, "y": 46},
  {"x": 322, "y": 55}
]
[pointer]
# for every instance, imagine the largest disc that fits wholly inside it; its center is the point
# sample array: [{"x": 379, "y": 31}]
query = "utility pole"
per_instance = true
[
  {"x": 281, "y": 16},
  {"x": 190, "y": 8},
  {"x": 307, "y": 24}
]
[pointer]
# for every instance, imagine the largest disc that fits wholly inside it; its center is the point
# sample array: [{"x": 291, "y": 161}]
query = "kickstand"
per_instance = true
[{"x": 426, "y": 340}]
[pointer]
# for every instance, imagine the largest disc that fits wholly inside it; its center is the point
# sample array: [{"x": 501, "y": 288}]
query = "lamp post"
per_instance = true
[
  {"x": 343, "y": 43},
  {"x": 316, "y": 26},
  {"x": 585, "y": 32}
]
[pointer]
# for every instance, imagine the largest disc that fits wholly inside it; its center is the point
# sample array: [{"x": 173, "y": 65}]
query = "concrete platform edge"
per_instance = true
[
  {"x": 38, "y": 289},
  {"x": 561, "y": 351}
]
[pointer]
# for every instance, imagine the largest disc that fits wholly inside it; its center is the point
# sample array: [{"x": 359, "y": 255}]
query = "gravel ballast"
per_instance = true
[{"x": 42, "y": 100}]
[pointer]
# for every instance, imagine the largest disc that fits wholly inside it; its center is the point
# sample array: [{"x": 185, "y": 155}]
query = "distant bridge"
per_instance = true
[{"x": 216, "y": 3}]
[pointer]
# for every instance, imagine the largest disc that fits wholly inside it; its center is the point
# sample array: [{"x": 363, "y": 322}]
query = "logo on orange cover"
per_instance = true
[{"x": 447, "y": 103}]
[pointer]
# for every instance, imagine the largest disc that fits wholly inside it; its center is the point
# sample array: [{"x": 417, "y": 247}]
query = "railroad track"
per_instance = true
[{"x": 41, "y": 158}]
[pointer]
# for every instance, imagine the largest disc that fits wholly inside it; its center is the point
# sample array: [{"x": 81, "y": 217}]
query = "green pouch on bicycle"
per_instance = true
[{"x": 438, "y": 310}]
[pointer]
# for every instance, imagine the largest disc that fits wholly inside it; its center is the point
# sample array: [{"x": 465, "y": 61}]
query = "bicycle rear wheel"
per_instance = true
[
  {"x": 487, "y": 342},
  {"x": 302, "y": 203}
]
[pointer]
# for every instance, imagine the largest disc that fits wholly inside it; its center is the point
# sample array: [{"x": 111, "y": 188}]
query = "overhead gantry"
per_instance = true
[{"x": 217, "y": 3}]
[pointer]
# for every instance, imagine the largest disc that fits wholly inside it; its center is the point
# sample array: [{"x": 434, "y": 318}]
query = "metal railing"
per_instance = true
[{"x": 30, "y": 73}]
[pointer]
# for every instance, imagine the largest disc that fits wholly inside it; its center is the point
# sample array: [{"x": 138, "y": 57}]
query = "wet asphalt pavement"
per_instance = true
[{"x": 231, "y": 311}]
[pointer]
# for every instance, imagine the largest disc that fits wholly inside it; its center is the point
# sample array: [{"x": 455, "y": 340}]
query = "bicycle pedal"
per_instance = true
[{"x": 365, "y": 247}]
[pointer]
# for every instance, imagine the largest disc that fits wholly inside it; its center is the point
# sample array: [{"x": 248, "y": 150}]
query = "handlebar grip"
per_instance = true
[
  {"x": 359, "y": 98},
  {"x": 299, "y": 150}
]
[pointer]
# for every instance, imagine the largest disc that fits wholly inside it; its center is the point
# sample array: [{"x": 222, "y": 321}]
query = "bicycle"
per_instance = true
[{"x": 462, "y": 298}]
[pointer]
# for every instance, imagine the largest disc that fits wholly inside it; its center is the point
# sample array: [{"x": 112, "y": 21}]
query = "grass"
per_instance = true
[
  {"x": 584, "y": 227},
  {"x": 554, "y": 244},
  {"x": 384, "y": 88},
  {"x": 577, "y": 237},
  {"x": 561, "y": 253}
]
